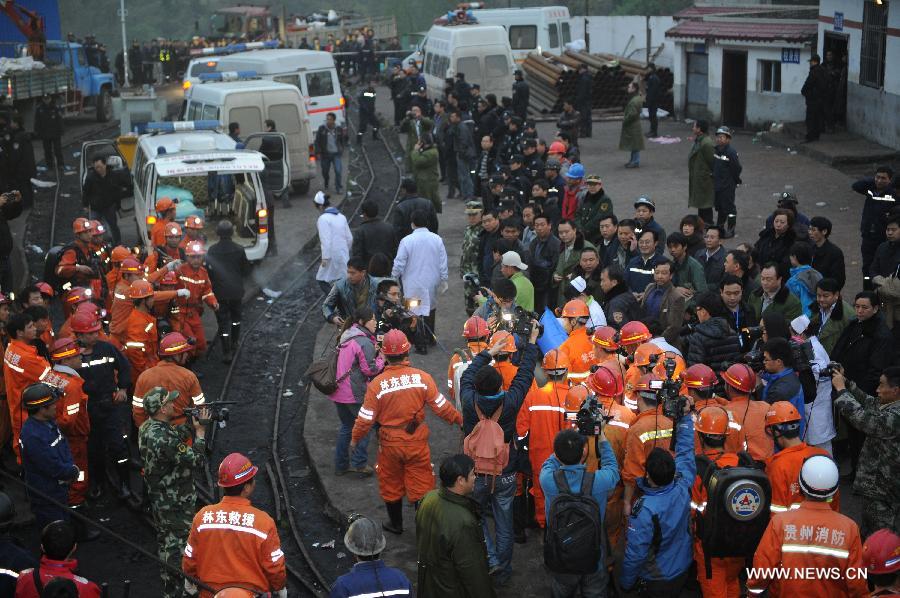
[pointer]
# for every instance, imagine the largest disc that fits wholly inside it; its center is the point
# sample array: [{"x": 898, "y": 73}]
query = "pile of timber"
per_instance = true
[{"x": 552, "y": 79}]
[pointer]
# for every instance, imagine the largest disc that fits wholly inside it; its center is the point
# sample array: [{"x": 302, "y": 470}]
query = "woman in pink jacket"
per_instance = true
[{"x": 359, "y": 360}]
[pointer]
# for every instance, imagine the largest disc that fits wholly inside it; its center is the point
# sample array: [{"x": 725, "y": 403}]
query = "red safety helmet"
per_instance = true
[
  {"x": 89, "y": 308},
  {"x": 140, "y": 289},
  {"x": 78, "y": 295},
  {"x": 634, "y": 333},
  {"x": 605, "y": 336},
  {"x": 505, "y": 339},
  {"x": 83, "y": 322},
  {"x": 557, "y": 147},
  {"x": 881, "y": 552},
  {"x": 712, "y": 420},
  {"x": 65, "y": 347},
  {"x": 81, "y": 225},
  {"x": 236, "y": 469},
  {"x": 235, "y": 593},
  {"x": 45, "y": 288},
  {"x": 195, "y": 248},
  {"x": 164, "y": 204},
  {"x": 475, "y": 327},
  {"x": 195, "y": 222},
  {"x": 576, "y": 308},
  {"x": 740, "y": 376},
  {"x": 130, "y": 265},
  {"x": 173, "y": 344},
  {"x": 395, "y": 343},
  {"x": 643, "y": 355},
  {"x": 97, "y": 227},
  {"x": 699, "y": 377},
  {"x": 576, "y": 396},
  {"x": 169, "y": 279},
  {"x": 644, "y": 384},
  {"x": 173, "y": 229},
  {"x": 555, "y": 361},
  {"x": 119, "y": 254},
  {"x": 782, "y": 412},
  {"x": 606, "y": 381}
]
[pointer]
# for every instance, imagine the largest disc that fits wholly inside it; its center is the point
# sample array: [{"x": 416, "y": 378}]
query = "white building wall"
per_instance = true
[{"x": 627, "y": 36}]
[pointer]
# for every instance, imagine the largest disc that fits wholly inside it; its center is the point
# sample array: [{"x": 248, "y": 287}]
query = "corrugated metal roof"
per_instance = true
[
  {"x": 696, "y": 12},
  {"x": 746, "y": 30}
]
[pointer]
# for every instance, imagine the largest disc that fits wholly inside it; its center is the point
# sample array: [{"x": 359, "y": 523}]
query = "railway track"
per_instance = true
[{"x": 259, "y": 376}]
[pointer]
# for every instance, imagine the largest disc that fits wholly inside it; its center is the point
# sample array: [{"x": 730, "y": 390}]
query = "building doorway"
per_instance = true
[
  {"x": 734, "y": 88},
  {"x": 834, "y": 59},
  {"x": 697, "y": 91}
]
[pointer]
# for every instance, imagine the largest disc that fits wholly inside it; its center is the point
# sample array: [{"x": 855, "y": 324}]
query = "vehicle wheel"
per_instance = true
[
  {"x": 301, "y": 187},
  {"x": 104, "y": 105}
]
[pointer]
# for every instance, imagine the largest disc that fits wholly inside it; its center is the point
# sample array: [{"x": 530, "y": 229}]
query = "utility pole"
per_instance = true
[
  {"x": 122, "y": 14},
  {"x": 587, "y": 35}
]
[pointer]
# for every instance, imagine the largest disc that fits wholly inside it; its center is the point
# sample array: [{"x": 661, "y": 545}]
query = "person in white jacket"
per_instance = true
[
  {"x": 421, "y": 268},
  {"x": 335, "y": 240},
  {"x": 819, "y": 416}
]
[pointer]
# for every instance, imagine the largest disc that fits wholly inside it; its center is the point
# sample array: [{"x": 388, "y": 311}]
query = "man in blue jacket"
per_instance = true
[
  {"x": 481, "y": 384},
  {"x": 369, "y": 576},
  {"x": 781, "y": 382},
  {"x": 658, "y": 549},
  {"x": 570, "y": 451}
]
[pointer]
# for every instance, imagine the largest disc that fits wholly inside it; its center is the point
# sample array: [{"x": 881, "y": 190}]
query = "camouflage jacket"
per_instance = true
[
  {"x": 878, "y": 472},
  {"x": 468, "y": 260},
  {"x": 169, "y": 463}
]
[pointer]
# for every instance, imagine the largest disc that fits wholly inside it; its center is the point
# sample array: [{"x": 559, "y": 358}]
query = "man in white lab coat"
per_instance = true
[
  {"x": 335, "y": 240},
  {"x": 421, "y": 267}
]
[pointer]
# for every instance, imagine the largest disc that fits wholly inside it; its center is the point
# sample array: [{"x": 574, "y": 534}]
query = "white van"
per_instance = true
[
  {"x": 204, "y": 60},
  {"x": 249, "y": 103},
  {"x": 545, "y": 28},
  {"x": 200, "y": 166},
  {"x": 480, "y": 52},
  {"x": 311, "y": 71},
  {"x": 197, "y": 67}
]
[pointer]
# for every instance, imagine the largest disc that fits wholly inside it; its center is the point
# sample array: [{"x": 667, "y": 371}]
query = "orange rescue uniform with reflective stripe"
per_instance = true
[
  {"x": 234, "y": 543},
  {"x": 725, "y": 581},
  {"x": 170, "y": 376},
  {"x": 474, "y": 349},
  {"x": 22, "y": 366},
  {"x": 395, "y": 398},
  {"x": 580, "y": 351},
  {"x": 541, "y": 417},
  {"x": 649, "y": 430},
  {"x": 74, "y": 422},
  {"x": 783, "y": 469},
  {"x": 158, "y": 232},
  {"x": 751, "y": 436},
  {"x": 140, "y": 342},
  {"x": 65, "y": 270},
  {"x": 811, "y": 536},
  {"x": 197, "y": 282}
]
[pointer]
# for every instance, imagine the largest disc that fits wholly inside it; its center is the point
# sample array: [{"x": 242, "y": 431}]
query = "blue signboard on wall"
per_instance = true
[
  {"x": 838, "y": 21},
  {"x": 790, "y": 55}
]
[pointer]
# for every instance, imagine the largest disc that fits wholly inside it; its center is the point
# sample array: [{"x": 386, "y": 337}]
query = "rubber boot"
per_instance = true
[
  {"x": 730, "y": 225},
  {"x": 83, "y": 533},
  {"x": 226, "y": 348},
  {"x": 123, "y": 483},
  {"x": 395, "y": 514},
  {"x": 235, "y": 335},
  {"x": 374, "y": 132},
  {"x": 359, "y": 137},
  {"x": 520, "y": 516}
]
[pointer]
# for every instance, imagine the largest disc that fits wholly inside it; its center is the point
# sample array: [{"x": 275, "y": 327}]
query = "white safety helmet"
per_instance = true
[
  {"x": 364, "y": 537},
  {"x": 819, "y": 477}
]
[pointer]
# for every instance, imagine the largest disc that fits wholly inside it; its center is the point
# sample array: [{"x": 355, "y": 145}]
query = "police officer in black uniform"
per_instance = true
[
  {"x": 726, "y": 176},
  {"x": 48, "y": 126},
  {"x": 367, "y": 114},
  {"x": 520, "y": 95}
]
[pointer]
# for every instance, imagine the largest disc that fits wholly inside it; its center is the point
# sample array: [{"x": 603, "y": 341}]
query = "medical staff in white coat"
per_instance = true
[
  {"x": 819, "y": 416},
  {"x": 335, "y": 239},
  {"x": 421, "y": 268}
]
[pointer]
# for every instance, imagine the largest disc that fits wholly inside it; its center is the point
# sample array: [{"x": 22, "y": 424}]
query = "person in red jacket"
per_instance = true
[
  {"x": 195, "y": 279},
  {"x": 22, "y": 366},
  {"x": 58, "y": 546}
]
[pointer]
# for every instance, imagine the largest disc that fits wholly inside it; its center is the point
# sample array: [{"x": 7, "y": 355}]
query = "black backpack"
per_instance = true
[
  {"x": 574, "y": 533},
  {"x": 737, "y": 508},
  {"x": 51, "y": 261}
]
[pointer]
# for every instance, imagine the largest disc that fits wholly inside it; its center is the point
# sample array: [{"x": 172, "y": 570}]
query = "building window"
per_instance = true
[
  {"x": 874, "y": 42},
  {"x": 770, "y": 76}
]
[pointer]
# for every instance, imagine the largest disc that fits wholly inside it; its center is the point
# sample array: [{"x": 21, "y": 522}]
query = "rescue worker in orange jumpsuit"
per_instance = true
[
  {"x": 168, "y": 313},
  {"x": 811, "y": 536},
  {"x": 195, "y": 279},
  {"x": 649, "y": 430},
  {"x": 193, "y": 231},
  {"x": 75, "y": 297},
  {"x": 130, "y": 271},
  {"x": 22, "y": 366},
  {"x": 169, "y": 373},
  {"x": 783, "y": 468},
  {"x": 140, "y": 338},
  {"x": 502, "y": 361},
  {"x": 396, "y": 399},
  {"x": 118, "y": 255},
  {"x": 699, "y": 381},
  {"x": 607, "y": 384},
  {"x": 578, "y": 347},
  {"x": 606, "y": 349},
  {"x": 643, "y": 360},
  {"x": 101, "y": 250},
  {"x": 43, "y": 328},
  {"x": 711, "y": 427},
  {"x": 630, "y": 337},
  {"x": 750, "y": 415},
  {"x": 71, "y": 411},
  {"x": 75, "y": 263},
  {"x": 476, "y": 333},
  {"x": 170, "y": 251},
  {"x": 232, "y": 543},
  {"x": 541, "y": 417},
  {"x": 165, "y": 208}
]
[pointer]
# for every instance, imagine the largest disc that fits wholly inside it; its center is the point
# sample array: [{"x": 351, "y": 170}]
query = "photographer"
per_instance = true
[
  {"x": 390, "y": 311},
  {"x": 711, "y": 340},
  {"x": 500, "y": 300},
  {"x": 356, "y": 288}
]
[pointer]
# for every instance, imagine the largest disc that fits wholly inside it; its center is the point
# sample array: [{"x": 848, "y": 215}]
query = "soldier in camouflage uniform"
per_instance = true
[
  {"x": 169, "y": 464},
  {"x": 468, "y": 261},
  {"x": 878, "y": 472}
]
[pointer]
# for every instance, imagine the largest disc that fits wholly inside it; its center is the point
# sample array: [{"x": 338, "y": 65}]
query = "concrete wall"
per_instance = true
[
  {"x": 870, "y": 112},
  {"x": 627, "y": 36}
]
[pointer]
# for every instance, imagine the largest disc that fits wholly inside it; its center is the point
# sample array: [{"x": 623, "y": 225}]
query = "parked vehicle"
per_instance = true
[{"x": 481, "y": 52}]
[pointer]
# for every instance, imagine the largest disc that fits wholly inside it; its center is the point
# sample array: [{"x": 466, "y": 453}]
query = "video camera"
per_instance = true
[
  {"x": 218, "y": 413},
  {"x": 472, "y": 285},
  {"x": 519, "y": 322},
  {"x": 589, "y": 419},
  {"x": 668, "y": 393}
]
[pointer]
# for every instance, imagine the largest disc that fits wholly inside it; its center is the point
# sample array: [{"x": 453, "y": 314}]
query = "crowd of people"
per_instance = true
[{"x": 616, "y": 377}]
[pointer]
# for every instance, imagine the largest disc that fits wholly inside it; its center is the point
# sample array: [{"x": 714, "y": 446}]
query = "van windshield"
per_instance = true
[
  {"x": 319, "y": 83},
  {"x": 470, "y": 66},
  {"x": 200, "y": 68}
]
